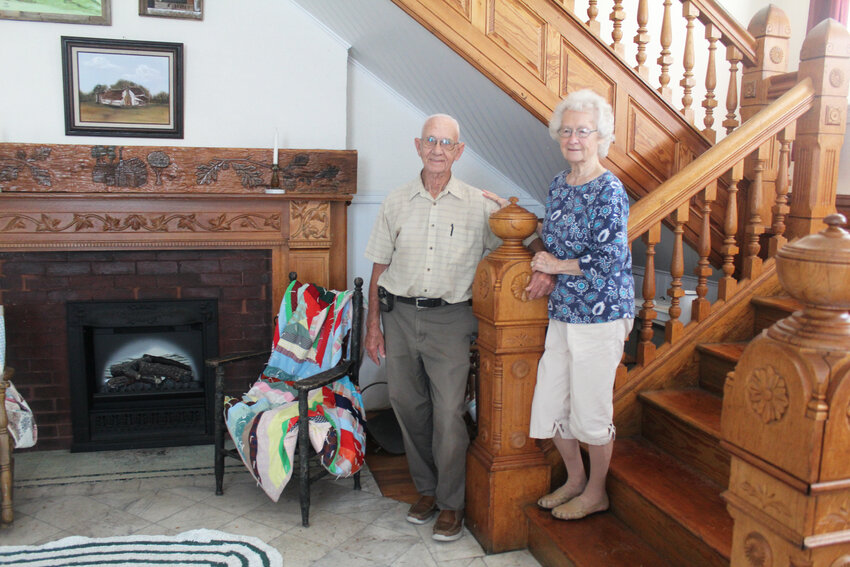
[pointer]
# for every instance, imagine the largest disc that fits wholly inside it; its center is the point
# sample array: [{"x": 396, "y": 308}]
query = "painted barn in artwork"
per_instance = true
[{"x": 129, "y": 96}]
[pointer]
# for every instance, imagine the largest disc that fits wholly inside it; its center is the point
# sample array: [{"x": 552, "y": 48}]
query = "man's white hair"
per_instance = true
[{"x": 446, "y": 117}]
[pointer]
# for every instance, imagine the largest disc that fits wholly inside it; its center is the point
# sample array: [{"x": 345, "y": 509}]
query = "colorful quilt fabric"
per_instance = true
[{"x": 312, "y": 325}]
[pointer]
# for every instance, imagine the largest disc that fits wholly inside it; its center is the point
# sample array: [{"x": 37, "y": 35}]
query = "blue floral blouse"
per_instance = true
[{"x": 588, "y": 222}]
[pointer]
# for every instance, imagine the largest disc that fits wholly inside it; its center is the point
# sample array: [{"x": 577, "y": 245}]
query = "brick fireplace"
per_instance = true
[
  {"x": 37, "y": 285},
  {"x": 205, "y": 227}
]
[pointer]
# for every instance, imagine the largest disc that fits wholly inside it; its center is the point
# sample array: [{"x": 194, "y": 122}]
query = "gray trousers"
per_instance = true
[{"x": 427, "y": 371}]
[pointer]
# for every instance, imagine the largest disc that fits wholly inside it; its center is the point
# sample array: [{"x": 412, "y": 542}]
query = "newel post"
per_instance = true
[
  {"x": 786, "y": 417},
  {"x": 505, "y": 469},
  {"x": 772, "y": 30},
  {"x": 825, "y": 59}
]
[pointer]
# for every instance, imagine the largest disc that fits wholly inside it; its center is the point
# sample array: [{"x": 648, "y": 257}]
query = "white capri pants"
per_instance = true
[{"x": 574, "y": 395}]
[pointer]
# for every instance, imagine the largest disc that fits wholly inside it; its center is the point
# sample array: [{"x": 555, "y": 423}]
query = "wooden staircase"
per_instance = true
[
  {"x": 735, "y": 202},
  {"x": 664, "y": 484}
]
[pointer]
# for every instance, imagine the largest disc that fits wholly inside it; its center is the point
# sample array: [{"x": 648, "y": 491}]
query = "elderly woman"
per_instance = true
[{"x": 591, "y": 309}]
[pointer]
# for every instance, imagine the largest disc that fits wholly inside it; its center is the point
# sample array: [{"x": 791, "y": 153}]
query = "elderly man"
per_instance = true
[{"x": 427, "y": 241}]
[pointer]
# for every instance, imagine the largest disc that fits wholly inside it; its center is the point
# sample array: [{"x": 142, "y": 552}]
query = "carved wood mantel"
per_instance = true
[{"x": 74, "y": 197}]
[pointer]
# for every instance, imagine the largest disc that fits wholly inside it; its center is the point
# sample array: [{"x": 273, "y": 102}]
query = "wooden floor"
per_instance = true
[{"x": 391, "y": 474}]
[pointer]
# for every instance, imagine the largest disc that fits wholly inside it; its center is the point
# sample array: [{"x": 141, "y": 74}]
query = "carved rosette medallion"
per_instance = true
[
  {"x": 832, "y": 116},
  {"x": 482, "y": 281},
  {"x": 518, "y": 285},
  {"x": 309, "y": 220},
  {"x": 750, "y": 89},
  {"x": 767, "y": 393},
  {"x": 757, "y": 550},
  {"x": 776, "y": 55},
  {"x": 520, "y": 369},
  {"x": 518, "y": 439},
  {"x": 836, "y": 78}
]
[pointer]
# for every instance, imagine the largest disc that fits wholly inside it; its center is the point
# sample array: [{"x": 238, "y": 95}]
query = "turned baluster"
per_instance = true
[
  {"x": 733, "y": 56},
  {"x": 728, "y": 284},
  {"x": 755, "y": 227},
  {"x": 673, "y": 328},
  {"x": 688, "y": 82},
  {"x": 592, "y": 11},
  {"x": 618, "y": 14},
  {"x": 647, "y": 314},
  {"x": 666, "y": 59},
  {"x": 701, "y": 306},
  {"x": 780, "y": 206},
  {"x": 712, "y": 35},
  {"x": 642, "y": 38}
]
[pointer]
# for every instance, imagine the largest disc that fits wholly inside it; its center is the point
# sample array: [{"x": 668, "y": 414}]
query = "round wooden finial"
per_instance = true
[
  {"x": 816, "y": 268},
  {"x": 512, "y": 222}
]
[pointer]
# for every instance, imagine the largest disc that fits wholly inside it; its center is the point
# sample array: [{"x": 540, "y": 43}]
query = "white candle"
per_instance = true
[{"x": 274, "y": 160}]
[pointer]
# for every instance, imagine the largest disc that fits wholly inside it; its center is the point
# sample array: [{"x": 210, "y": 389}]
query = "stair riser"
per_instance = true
[
  {"x": 713, "y": 371},
  {"x": 766, "y": 316},
  {"x": 659, "y": 530},
  {"x": 697, "y": 449},
  {"x": 545, "y": 550}
]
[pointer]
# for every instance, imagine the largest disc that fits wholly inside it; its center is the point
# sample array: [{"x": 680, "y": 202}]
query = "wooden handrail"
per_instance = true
[
  {"x": 667, "y": 197},
  {"x": 733, "y": 32}
]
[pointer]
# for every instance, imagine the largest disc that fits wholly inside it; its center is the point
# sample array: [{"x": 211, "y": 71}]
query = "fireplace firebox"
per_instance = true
[{"x": 137, "y": 372}]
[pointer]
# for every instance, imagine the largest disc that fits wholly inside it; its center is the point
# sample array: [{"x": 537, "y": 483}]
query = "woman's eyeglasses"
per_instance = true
[{"x": 579, "y": 132}]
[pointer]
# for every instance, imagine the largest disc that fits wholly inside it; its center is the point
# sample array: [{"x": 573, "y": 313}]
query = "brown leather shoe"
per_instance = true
[
  {"x": 449, "y": 525},
  {"x": 423, "y": 510}
]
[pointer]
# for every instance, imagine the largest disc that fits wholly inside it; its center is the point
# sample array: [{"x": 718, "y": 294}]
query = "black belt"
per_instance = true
[{"x": 427, "y": 302}]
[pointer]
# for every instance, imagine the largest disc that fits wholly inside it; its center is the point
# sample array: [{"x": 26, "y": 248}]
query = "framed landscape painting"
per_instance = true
[
  {"x": 122, "y": 88},
  {"x": 76, "y": 12}
]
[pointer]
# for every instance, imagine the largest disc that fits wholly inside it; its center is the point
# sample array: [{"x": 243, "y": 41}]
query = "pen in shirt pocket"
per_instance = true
[{"x": 452, "y": 231}]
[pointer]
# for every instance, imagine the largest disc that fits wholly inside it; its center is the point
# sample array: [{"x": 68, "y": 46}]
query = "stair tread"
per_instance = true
[
  {"x": 599, "y": 539},
  {"x": 690, "y": 499},
  {"x": 727, "y": 351},
  {"x": 783, "y": 302},
  {"x": 694, "y": 406}
]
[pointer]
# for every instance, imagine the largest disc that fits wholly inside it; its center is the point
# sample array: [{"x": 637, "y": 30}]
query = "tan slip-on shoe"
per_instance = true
[
  {"x": 449, "y": 525},
  {"x": 423, "y": 510}
]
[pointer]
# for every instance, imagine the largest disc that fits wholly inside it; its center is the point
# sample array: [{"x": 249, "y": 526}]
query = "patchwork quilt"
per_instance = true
[{"x": 312, "y": 325}]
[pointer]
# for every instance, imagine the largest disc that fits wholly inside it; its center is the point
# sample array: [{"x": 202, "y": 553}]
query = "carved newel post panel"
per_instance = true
[
  {"x": 786, "y": 417},
  {"x": 505, "y": 468}
]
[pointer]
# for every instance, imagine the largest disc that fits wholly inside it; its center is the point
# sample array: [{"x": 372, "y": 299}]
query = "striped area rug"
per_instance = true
[{"x": 197, "y": 548}]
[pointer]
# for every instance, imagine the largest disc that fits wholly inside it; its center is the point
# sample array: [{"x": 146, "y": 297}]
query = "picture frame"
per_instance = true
[
  {"x": 95, "y": 12},
  {"x": 189, "y": 9},
  {"x": 124, "y": 88}
]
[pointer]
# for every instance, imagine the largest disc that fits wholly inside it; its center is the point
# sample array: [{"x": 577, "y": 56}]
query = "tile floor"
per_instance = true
[{"x": 168, "y": 491}]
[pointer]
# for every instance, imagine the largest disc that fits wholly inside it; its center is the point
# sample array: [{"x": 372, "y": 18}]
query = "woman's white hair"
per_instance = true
[{"x": 586, "y": 100}]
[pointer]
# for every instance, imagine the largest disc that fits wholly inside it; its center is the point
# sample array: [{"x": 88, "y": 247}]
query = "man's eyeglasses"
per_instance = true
[
  {"x": 579, "y": 132},
  {"x": 445, "y": 143}
]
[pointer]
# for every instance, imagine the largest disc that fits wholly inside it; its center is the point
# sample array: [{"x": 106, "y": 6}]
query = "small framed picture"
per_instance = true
[
  {"x": 81, "y": 12},
  {"x": 192, "y": 9},
  {"x": 122, "y": 88}
]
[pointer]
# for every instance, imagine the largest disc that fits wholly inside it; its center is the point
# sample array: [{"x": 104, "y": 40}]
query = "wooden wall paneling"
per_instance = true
[
  {"x": 521, "y": 32},
  {"x": 650, "y": 144},
  {"x": 580, "y": 72}
]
